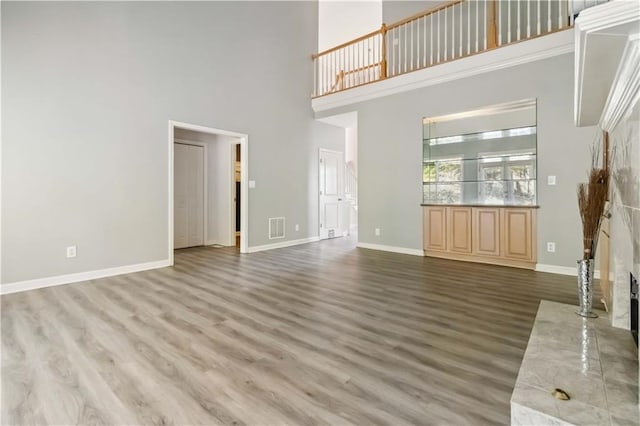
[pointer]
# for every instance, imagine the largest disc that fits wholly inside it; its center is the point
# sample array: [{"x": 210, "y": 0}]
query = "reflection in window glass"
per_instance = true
[
  {"x": 429, "y": 172},
  {"x": 449, "y": 170},
  {"x": 441, "y": 180},
  {"x": 507, "y": 179}
]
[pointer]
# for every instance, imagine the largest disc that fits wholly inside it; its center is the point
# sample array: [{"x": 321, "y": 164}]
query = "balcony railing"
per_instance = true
[{"x": 448, "y": 32}]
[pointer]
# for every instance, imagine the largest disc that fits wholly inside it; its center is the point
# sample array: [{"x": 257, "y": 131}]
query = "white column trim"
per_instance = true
[{"x": 625, "y": 89}]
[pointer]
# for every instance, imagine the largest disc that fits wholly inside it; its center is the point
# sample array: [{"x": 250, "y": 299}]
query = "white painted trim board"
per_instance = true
[
  {"x": 282, "y": 244},
  {"x": 19, "y": 286},
  {"x": 392, "y": 249},
  {"x": 563, "y": 270}
]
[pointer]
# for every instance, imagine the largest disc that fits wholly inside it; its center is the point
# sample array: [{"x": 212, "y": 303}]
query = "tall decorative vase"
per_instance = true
[{"x": 585, "y": 288}]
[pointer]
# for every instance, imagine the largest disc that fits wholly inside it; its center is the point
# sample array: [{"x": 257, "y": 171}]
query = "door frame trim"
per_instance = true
[
  {"x": 244, "y": 180},
  {"x": 205, "y": 187}
]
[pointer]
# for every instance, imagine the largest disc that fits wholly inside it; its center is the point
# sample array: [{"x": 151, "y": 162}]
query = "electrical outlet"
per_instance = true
[
  {"x": 297, "y": 227},
  {"x": 71, "y": 251},
  {"x": 551, "y": 247},
  {"x": 377, "y": 232},
  {"x": 551, "y": 180}
]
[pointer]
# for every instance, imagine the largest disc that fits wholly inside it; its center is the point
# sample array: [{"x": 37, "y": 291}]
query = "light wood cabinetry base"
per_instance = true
[{"x": 497, "y": 235}]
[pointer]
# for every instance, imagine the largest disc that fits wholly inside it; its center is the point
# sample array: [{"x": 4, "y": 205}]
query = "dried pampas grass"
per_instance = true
[{"x": 592, "y": 197}]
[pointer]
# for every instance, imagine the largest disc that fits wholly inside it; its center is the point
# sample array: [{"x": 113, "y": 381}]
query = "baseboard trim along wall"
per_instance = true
[
  {"x": 19, "y": 286},
  {"x": 392, "y": 249},
  {"x": 282, "y": 244},
  {"x": 563, "y": 270}
]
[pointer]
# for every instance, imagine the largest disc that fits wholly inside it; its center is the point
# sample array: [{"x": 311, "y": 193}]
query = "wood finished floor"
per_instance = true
[{"x": 322, "y": 333}]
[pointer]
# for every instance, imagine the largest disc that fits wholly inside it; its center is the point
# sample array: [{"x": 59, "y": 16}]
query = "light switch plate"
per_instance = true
[
  {"x": 551, "y": 180},
  {"x": 252, "y": 184}
]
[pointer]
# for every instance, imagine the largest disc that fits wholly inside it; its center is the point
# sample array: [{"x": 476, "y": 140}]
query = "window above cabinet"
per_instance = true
[{"x": 486, "y": 156}]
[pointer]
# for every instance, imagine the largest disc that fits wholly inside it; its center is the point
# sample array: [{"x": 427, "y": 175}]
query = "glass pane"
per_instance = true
[
  {"x": 522, "y": 192},
  {"x": 449, "y": 171},
  {"x": 486, "y": 156},
  {"x": 491, "y": 192},
  {"x": 491, "y": 172},
  {"x": 449, "y": 193},
  {"x": 521, "y": 170},
  {"x": 429, "y": 172}
]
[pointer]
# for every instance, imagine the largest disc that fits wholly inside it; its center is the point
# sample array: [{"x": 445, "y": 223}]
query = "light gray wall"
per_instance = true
[
  {"x": 390, "y": 149},
  {"x": 88, "y": 89}
]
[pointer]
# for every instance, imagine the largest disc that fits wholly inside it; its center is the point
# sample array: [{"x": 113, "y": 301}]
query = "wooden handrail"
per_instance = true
[
  {"x": 340, "y": 46},
  {"x": 394, "y": 61},
  {"x": 365, "y": 68},
  {"x": 423, "y": 13}
]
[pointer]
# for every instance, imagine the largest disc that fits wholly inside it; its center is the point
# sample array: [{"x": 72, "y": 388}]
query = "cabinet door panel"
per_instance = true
[
  {"x": 518, "y": 242},
  {"x": 460, "y": 229},
  {"x": 486, "y": 231},
  {"x": 435, "y": 228}
]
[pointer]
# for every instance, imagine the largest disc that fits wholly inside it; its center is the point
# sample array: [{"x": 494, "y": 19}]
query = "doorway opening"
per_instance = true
[
  {"x": 208, "y": 187},
  {"x": 339, "y": 212}
]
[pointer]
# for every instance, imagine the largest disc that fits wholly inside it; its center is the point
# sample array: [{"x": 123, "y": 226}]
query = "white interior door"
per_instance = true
[
  {"x": 331, "y": 193},
  {"x": 188, "y": 196}
]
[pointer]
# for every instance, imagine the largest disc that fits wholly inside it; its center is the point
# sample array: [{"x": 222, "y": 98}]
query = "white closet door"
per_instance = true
[{"x": 188, "y": 203}]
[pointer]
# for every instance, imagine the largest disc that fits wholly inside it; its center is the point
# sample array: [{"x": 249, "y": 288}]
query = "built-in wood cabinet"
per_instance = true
[
  {"x": 459, "y": 229},
  {"x": 518, "y": 239},
  {"x": 435, "y": 224},
  {"x": 498, "y": 235},
  {"x": 486, "y": 231}
]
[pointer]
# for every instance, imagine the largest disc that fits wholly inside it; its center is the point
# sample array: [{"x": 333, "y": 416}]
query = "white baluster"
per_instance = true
[
  {"x": 446, "y": 34},
  {"x": 549, "y": 16},
  {"x": 477, "y": 25},
  {"x": 424, "y": 44},
  {"x": 508, "y": 22},
  {"x": 411, "y": 62},
  {"x": 453, "y": 32},
  {"x": 352, "y": 61},
  {"x": 392, "y": 51},
  {"x": 518, "y": 26},
  {"x": 539, "y": 17},
  {"x": 528, "y": 18},
  {"x": 468, "y": 27},
  {"x": 398, "y": 33},
  {"x": 431, "y": 40},
  {"x": 438, "y": 36},
  {"x": 405, "y": 42},
  {"x": 369, "y": 61},
  {"x": 363, "y": 76},
  {"x": 460, "y": 29},
  {"x": 486, "y": 34},
  {"x": 417, "y": 64},
  {"x": 560, "y": 20}
]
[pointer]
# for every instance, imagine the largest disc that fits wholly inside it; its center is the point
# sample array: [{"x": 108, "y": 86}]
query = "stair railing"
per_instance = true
[{"x": 445, "y": 33}]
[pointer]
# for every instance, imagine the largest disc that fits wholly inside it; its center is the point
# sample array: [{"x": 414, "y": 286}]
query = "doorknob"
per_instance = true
[{"x": 339, "y": 199}]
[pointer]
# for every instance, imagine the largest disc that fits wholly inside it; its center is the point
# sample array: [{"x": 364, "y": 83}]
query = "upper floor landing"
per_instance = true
[{"x": 454, "y": 40}]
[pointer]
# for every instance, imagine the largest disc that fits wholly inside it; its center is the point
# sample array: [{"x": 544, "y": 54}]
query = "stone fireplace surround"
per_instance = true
[{"x": 596, "y": 360}]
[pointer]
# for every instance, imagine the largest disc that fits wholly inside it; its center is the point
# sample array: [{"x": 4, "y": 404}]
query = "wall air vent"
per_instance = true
[{"x": 276, "y": 227}]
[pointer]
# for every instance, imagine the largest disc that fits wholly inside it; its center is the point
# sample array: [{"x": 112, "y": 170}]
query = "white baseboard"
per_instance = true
[
  {"x": 392, "y": 249},
  {"x": 282, "y": 244},
  {"x": 18, "y": 286},
  {"x": 563, "y": 270}
]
